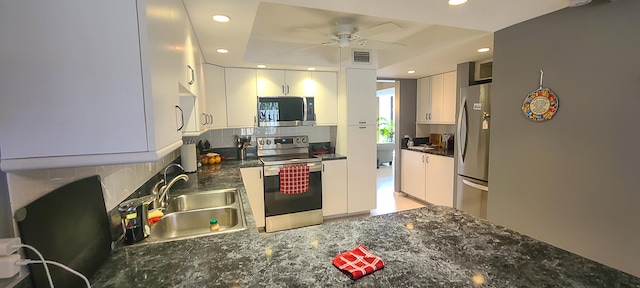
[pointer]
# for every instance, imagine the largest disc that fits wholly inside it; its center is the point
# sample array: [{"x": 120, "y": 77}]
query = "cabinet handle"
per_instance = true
[
  {"x": 212, "y": 119},
  {"x": 206, "y": 119},
  {"x": 287, "y": 89},
  {"x": 181, "y": 117},
  {"x": 361, "y": 127},
  {"x": 260, "y": 174},
  {"x": 322, "y": 167},
  {"x": 193, "y": 75},
  {"x": 422, "y": 158},
  {"x": 283, "y": 92},
  {"x": 426, "y": 116},
  {"x": 362, "y": 122},
  {"x": 427, "y": 159}
]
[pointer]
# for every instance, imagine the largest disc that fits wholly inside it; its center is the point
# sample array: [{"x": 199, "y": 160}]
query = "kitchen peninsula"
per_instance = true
[{"x": 442, "y": 247}]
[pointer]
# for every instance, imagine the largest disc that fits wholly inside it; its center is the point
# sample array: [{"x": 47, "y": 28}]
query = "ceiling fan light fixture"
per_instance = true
[
  {"x": 221, "y": 18},
  {"x": 457, "y": 2},
  {"x": 343, "y": 42}
]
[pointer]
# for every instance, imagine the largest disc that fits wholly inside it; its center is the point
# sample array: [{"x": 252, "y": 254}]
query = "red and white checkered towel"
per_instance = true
[
  {"x": 294, "y": 179},
  {"x": 358, "y": 262}
]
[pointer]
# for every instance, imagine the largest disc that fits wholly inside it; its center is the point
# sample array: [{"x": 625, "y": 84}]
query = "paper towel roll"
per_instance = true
[{"x": 189, "y": 158}]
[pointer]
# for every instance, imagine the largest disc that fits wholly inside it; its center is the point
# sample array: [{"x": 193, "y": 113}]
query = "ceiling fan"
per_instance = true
[{"x": 346, "y": 33}]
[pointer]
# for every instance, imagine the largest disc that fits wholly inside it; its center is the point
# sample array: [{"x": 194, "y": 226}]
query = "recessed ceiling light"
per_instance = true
[
  {"x": 220, "y": 18},
  {"x": 485, "y": 49},
  {"x": 411, "y": 71},
  {"x": 457, "y": 2},
  {"x": 311, "y": 68},
  {"x": 262, "y": 66},
  {"x": 223, "y": 51}
]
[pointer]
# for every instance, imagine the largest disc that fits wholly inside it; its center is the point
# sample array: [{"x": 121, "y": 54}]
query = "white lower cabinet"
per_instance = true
[
  {"x": 334, "y": 187},
  {"x": 252, "y": 179},
  {"x": 427, "y": 177},
  {"x": 361, "y": 168},
  {"x": 412, "y": 177}
]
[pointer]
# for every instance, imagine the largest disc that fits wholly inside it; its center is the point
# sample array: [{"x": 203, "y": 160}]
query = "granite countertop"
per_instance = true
[
  {"x": 436, "y": 151},
  {"x": 445, "y": 248}
]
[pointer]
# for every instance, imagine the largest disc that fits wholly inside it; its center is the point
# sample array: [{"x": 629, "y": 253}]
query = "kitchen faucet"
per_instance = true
[{"x": 163, "y": 193}]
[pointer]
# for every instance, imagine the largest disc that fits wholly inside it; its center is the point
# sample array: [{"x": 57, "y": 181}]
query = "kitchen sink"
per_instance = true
[
  {"x": 188, "y": 215},
  {"x": 194, "y": 223},
  {"x": 201, "y": 200}
]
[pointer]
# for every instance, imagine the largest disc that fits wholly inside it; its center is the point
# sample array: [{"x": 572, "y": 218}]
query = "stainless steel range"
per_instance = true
[{"x": 284, "y": 209}]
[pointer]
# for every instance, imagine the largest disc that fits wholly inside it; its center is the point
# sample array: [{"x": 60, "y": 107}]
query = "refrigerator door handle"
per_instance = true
[
  {"x": 474, "y": 185},
  {"x": 463, "y": 135}
]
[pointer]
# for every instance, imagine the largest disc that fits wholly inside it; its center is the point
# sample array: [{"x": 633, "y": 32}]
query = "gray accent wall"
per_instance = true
[
  {"x": 405, "y": 119},
  {"x": 573, "y": 181}
]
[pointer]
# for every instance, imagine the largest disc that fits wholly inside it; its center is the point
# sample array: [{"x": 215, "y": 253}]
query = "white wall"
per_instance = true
[{"x": 571, "y": 181}]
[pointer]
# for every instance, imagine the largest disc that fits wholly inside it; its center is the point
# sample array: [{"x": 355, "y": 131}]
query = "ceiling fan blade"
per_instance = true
[
  {"x": 312, "y": 32},
  {"x": 330, "y": 43},
  {"x": 378, "y": 29},
  {"x": 380, "y": 45}
]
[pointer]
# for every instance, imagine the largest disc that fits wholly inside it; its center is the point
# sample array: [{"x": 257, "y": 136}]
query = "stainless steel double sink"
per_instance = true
[{"x": 188, "y": 215}]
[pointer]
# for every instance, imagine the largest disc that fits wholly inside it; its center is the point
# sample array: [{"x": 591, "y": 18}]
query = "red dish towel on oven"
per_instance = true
[
  {"x": 358, "y": 262},
  {"x": 294, "y": 179}
]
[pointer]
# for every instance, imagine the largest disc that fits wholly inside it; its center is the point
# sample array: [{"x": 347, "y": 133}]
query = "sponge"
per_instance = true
[{"x": 155, "y": 213}]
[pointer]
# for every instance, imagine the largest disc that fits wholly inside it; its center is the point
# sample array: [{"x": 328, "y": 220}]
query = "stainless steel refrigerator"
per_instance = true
[{"x": 472, "y": 149}]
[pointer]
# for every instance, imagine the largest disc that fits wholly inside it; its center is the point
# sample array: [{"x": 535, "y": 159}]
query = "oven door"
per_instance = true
[{"x": 276, "y": 203}]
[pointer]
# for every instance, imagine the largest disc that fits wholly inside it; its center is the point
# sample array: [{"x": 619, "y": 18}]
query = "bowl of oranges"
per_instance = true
[{"x": 211, "y": 158}]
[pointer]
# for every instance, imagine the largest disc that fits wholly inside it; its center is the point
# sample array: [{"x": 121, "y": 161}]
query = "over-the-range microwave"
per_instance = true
[{"x": 286, "y": 111}]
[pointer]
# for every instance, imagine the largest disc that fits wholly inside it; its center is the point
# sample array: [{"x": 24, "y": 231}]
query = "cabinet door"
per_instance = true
[
  {"x": 361, "y": 153},
  {"x": 299, "y": 83},
  {"x": 362, "y": 104},
  {"x": 412, "y": 171},
  {"x": 439, "y": 180},
  {"x": 423, "y": 100},
  {"x": 449, "y": 98},
  {"x": 241, "y": 97},
  {"x": 326, "y": 97},
  {"x": 270, "y": 82},
  {"x": 215, "y": 92},
  {"x": 334, "y": 187},
  {"x": 437, "y": 88},
  {"x": 252, "y": 179}
]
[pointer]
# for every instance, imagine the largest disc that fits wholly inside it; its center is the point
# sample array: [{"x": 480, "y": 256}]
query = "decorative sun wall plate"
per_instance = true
[{"x": 541, "y": 104}]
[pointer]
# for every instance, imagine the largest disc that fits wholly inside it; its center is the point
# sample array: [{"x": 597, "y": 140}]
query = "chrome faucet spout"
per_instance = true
[
  {"x": 167, "y": 168},
  {"x": 163, "y": 195}
]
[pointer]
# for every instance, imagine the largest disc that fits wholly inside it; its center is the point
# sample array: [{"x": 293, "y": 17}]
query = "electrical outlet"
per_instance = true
[
  {"x": 9, "y": 246},
  {"x": 9, "y": 266}
]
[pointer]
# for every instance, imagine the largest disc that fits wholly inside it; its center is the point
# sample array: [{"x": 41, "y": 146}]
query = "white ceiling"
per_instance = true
[{"x": 287, "y": 34}]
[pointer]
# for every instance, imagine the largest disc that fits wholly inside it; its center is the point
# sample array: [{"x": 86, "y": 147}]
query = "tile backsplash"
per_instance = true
[
  {"x": 222, "y": 138},
  {"x": 118, "y": 181}
]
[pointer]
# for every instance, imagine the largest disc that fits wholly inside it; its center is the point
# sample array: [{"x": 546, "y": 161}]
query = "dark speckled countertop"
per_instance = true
[
  {"x": 435, "y": 151},
  {"x": 445, "y": 248}
]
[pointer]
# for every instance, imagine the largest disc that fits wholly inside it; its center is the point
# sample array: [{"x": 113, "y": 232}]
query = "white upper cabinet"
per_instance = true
[
  {"x": 326, "y": 97},
  {"x": 284, "y": 83},
  {"x": 423, "y": 105},
  {"x": 86, "y": 93},
  {"x": 242, "y": 102},
  {"x": 362, "y": 104},
  {"x": 216, "y": 101},
  {"x": 436, "y": 99}
]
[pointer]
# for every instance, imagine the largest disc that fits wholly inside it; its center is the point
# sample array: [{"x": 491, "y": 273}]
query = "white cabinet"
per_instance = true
[
  {"x": 439, "y": 180},
  {"x": 436, "y": 99},
  {"x": 216, "y": 101},
  {"x": 362, "y": 103},
  {"x": 326, "y": 97},
  {"x": 188, "y": 45},
  {"x": 413, "y": 173},
  {"x": 110, "y": 98},
  {"x": 449, "y": 97},
  {"x": 361, "y": 152},
  {"x": 423, "y": 105},
  {"x": 427, "y": 177},
  {"x": 334, "y": 187},
  {"x": 284, "y": 83},
  {"x": 252, "y": 179},
  {"x": 242, "y": 102}
]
